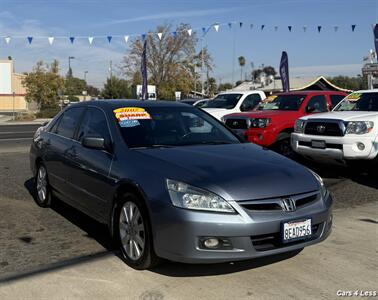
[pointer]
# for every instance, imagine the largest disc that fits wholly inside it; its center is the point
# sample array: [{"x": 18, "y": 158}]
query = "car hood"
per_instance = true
[
  {"x": 267, "y": 114},
  {"x": 234, "y": 171},
  {"x": 345, "y": 115},
  {"x": 217, "y": 112}
]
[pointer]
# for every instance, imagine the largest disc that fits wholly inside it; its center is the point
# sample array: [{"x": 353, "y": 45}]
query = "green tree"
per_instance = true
[
  {"x": 211, "y": 86},
  {"x": 224, "y": 87},
  {"x": 171, "y": 60},
  {"x": 241, "y": 60},
  {"x": 93, "y": 91},
  {"x": 351, "y": 83},
  {"x": 74, "y": 87},
  {"x": 43, "y": 85},
  {"x": 116, "y": 88},
  {"x": 269, "y": 70}
]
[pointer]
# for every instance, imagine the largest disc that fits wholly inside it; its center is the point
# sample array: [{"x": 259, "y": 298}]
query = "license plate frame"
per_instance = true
[
  {"x": 318, "y": 144},
  {"x": 300, "y": 220}
]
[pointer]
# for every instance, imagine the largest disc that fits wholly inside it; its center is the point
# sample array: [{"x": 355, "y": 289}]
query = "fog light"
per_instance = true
[
  {"x": 360, "y": 146},
  {"x": 260, "y": 137},
  {"x": 211, "y": 243}
]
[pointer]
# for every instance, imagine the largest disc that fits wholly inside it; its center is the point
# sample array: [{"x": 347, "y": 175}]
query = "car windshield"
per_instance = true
[
  {"x": 227, "y": 101},
  {"x": 282, "y": 102},
  {"x": 359, "y": 102},
  {"x": 155, "y": 127}
]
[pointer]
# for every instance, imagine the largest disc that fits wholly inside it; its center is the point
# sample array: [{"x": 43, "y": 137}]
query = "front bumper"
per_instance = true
[
  {"x": 261, "y": 136},
  {"x": 180, "y": 240},
  {"x": 338, "y": 148}
]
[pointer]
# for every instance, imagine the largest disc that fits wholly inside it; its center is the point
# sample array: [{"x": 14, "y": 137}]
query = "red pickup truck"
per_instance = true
[{"x": 272, "y": 122}]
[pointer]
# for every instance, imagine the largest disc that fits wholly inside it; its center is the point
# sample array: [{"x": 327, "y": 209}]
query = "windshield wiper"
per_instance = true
[
  {"x": 209, "y": 143},
  {"x": 154, "y": 146}
]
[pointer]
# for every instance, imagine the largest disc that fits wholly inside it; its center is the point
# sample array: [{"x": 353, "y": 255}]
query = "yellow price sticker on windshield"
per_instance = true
[
  {"x": 353, "y": 97},
  {"x": 131, "y": 113},
  {"x": 270, "y": 98}
]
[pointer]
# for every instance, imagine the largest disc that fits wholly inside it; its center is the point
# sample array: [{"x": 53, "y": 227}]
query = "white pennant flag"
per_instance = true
[
  {"x": 126, "y": 38},
  {"x": 90, "y": 40},
  {"x": 216, "y": 27},
  {"x": 159, "y": 34},
  {"x": 7, "y": 39},
  {"x": 51, "y": 40},
  {"x": 190, "y": 32}
]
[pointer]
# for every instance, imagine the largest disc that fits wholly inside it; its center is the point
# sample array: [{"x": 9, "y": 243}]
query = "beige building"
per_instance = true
[{"x": 12, "y": 92}]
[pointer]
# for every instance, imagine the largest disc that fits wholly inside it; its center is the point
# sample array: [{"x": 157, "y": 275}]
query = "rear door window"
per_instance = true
[{"x": 69, "y": 122}]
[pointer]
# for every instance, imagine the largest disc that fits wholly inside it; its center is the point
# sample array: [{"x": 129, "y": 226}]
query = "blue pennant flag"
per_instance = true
[
  {"x": 289, "y": 27},
  {"x": 319, "y": 28},
  {"x": 203, "y": 30},
  {"x": 230, "y": 25},
  {"x": 30, "y": 39},
  {"x": 72, "y": 39},
  {"x": 109, "y": 37},
  {"x": 143, "y": 37},
  {"x": 241, "y": 24},
  {"x": 143, "y": 70},
  {"x": 174, "y": 34},
  {"x": 353, "y": 27},
  {"x": 251, "y": 26},
  {"x": 262, "y": 27}
]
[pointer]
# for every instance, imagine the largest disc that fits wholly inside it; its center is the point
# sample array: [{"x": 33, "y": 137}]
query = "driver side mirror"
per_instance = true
[
  {"x": 94, "y": 143},
  {"x": 245, "y": 107},
  {"x": 310, "y": 109}
]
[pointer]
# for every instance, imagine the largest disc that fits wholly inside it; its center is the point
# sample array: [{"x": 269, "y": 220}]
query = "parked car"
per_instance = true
[
  {"x": 272, "y": 122},
  {"x": 348, "y": 133},
  {"x": 172, "y": 182},
  {"x": 233, "y": 102},
  {"x": 201, "y": 103}
]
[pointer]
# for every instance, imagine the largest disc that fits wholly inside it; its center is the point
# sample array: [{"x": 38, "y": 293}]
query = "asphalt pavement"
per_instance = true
[{"x": 61, "y": 253}]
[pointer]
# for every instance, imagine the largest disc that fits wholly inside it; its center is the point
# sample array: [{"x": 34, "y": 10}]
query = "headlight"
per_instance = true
[
  {"x": 323, "y": 189},
  {"x": 186, "y": 196},
  {"x": 260, "y": 122},
  {"x": 359, "y": 127},
  {"x": 299, "y": 126}
]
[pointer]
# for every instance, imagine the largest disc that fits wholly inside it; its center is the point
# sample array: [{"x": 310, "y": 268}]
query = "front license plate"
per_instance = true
[
  {"x": 296, "y": 230},
  {"x": 318, "y": 144}
]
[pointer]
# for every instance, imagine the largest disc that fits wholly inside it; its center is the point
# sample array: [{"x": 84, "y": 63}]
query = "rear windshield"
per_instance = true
[
  {"x": 170, "y": 127},
  {"x": 227, "y": 101},
  {"x": 359, "y": 102},
  {"x": 282, "y": 102}
]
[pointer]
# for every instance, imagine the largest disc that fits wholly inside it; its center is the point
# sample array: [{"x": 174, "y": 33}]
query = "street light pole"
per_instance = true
[
  {"x": 85, "y": 76},
  {"x": 14, "y": 112},
  {"x": 69, "y": 65}
]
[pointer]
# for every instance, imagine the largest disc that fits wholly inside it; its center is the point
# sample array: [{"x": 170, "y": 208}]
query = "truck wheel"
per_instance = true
[{"x": 283, "y": 145}]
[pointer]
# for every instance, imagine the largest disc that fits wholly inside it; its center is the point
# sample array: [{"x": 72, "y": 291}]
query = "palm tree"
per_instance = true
[{"x": 241, "y": 60}]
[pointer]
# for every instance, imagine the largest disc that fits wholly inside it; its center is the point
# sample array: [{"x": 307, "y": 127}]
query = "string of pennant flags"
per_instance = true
[{"x": 215, "y": 26}]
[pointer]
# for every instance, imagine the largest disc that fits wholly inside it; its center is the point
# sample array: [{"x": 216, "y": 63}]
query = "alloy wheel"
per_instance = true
[
  {"x": 42, "y": 184},
  {"x": 132, "y": 231}
]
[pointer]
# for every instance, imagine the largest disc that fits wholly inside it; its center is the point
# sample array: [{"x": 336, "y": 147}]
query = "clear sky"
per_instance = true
[{"x": 310, "y": 53}]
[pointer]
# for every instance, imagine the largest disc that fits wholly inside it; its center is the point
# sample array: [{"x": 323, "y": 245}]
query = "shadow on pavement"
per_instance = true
[
  {"x": 173, "y": 269},
  {"x": 94, "y": 229}
]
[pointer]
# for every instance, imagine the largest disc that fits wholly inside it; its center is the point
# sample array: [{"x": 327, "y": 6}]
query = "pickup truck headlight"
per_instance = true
[
  {"x": 190, "y": 197},
  {"x": 299, "y": 126},
  {"x": 259, "y": 122},
  {"x": 359, "y": 127}
]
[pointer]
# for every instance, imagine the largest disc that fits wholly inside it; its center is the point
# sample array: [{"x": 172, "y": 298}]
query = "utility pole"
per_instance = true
[
  {"x": 69, "y": 66},
  {"x": 14, "y": 112},
  {"x": 85, "y": 76}
]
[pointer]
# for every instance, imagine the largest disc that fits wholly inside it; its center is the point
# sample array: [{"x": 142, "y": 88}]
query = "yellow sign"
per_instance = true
[
  {"x": 131, "y": 113},
  {"x": 353, "y": 97}
]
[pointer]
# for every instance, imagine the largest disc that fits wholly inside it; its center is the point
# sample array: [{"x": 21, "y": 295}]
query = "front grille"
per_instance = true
[
  {"x": 266, "y": 205},
  {"x": 273, "y": 241},
  {"x": 236, "y": 123},
  {"x": 323, "y": 128},
  {"x": 328, "y": 145}
]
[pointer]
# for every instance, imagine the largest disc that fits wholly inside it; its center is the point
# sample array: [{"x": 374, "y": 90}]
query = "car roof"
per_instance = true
[
  {"x": 241, "y": 92},
  {"x": 116, "y": 103},
  {"x": 310, "y": 92}
]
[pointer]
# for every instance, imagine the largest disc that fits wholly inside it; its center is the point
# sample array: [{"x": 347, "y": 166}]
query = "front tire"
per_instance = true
[
  {"x": 133, "y": 234},
  {"x": 42, "y": 187},
  {"x": 283, "y": 145}
]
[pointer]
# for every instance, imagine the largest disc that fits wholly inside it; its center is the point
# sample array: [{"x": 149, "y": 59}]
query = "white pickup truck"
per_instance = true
[
  {"x": 348, "y": 133},
  {"x": 233, "y": 102}
]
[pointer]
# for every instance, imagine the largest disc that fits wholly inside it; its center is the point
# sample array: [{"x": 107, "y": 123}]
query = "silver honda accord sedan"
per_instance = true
[{"x": 170, "y": 181}]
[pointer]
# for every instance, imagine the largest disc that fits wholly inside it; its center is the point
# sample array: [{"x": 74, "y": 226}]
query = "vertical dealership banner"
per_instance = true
[
  {"x": 144, "y": 71},
  {"x": 284, "y": 72},
  {"x": 376, "y": 38}
]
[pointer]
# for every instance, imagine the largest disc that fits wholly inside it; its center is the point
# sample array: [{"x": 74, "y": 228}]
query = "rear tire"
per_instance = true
[
  {"x": 133, "y": 233},
  {"x": 42, "y": 187}
]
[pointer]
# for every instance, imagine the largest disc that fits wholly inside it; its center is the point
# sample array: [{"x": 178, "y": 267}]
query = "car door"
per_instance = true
[
  {"x": 250, "y": 102},
  {"x": 58, "y": 143},
  {"x": 90, "y": 167},
  {"x": 316, "y": 104}
]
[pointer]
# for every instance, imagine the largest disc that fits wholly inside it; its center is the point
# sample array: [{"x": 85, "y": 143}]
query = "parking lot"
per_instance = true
[{"x": 61, "y": 250}]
